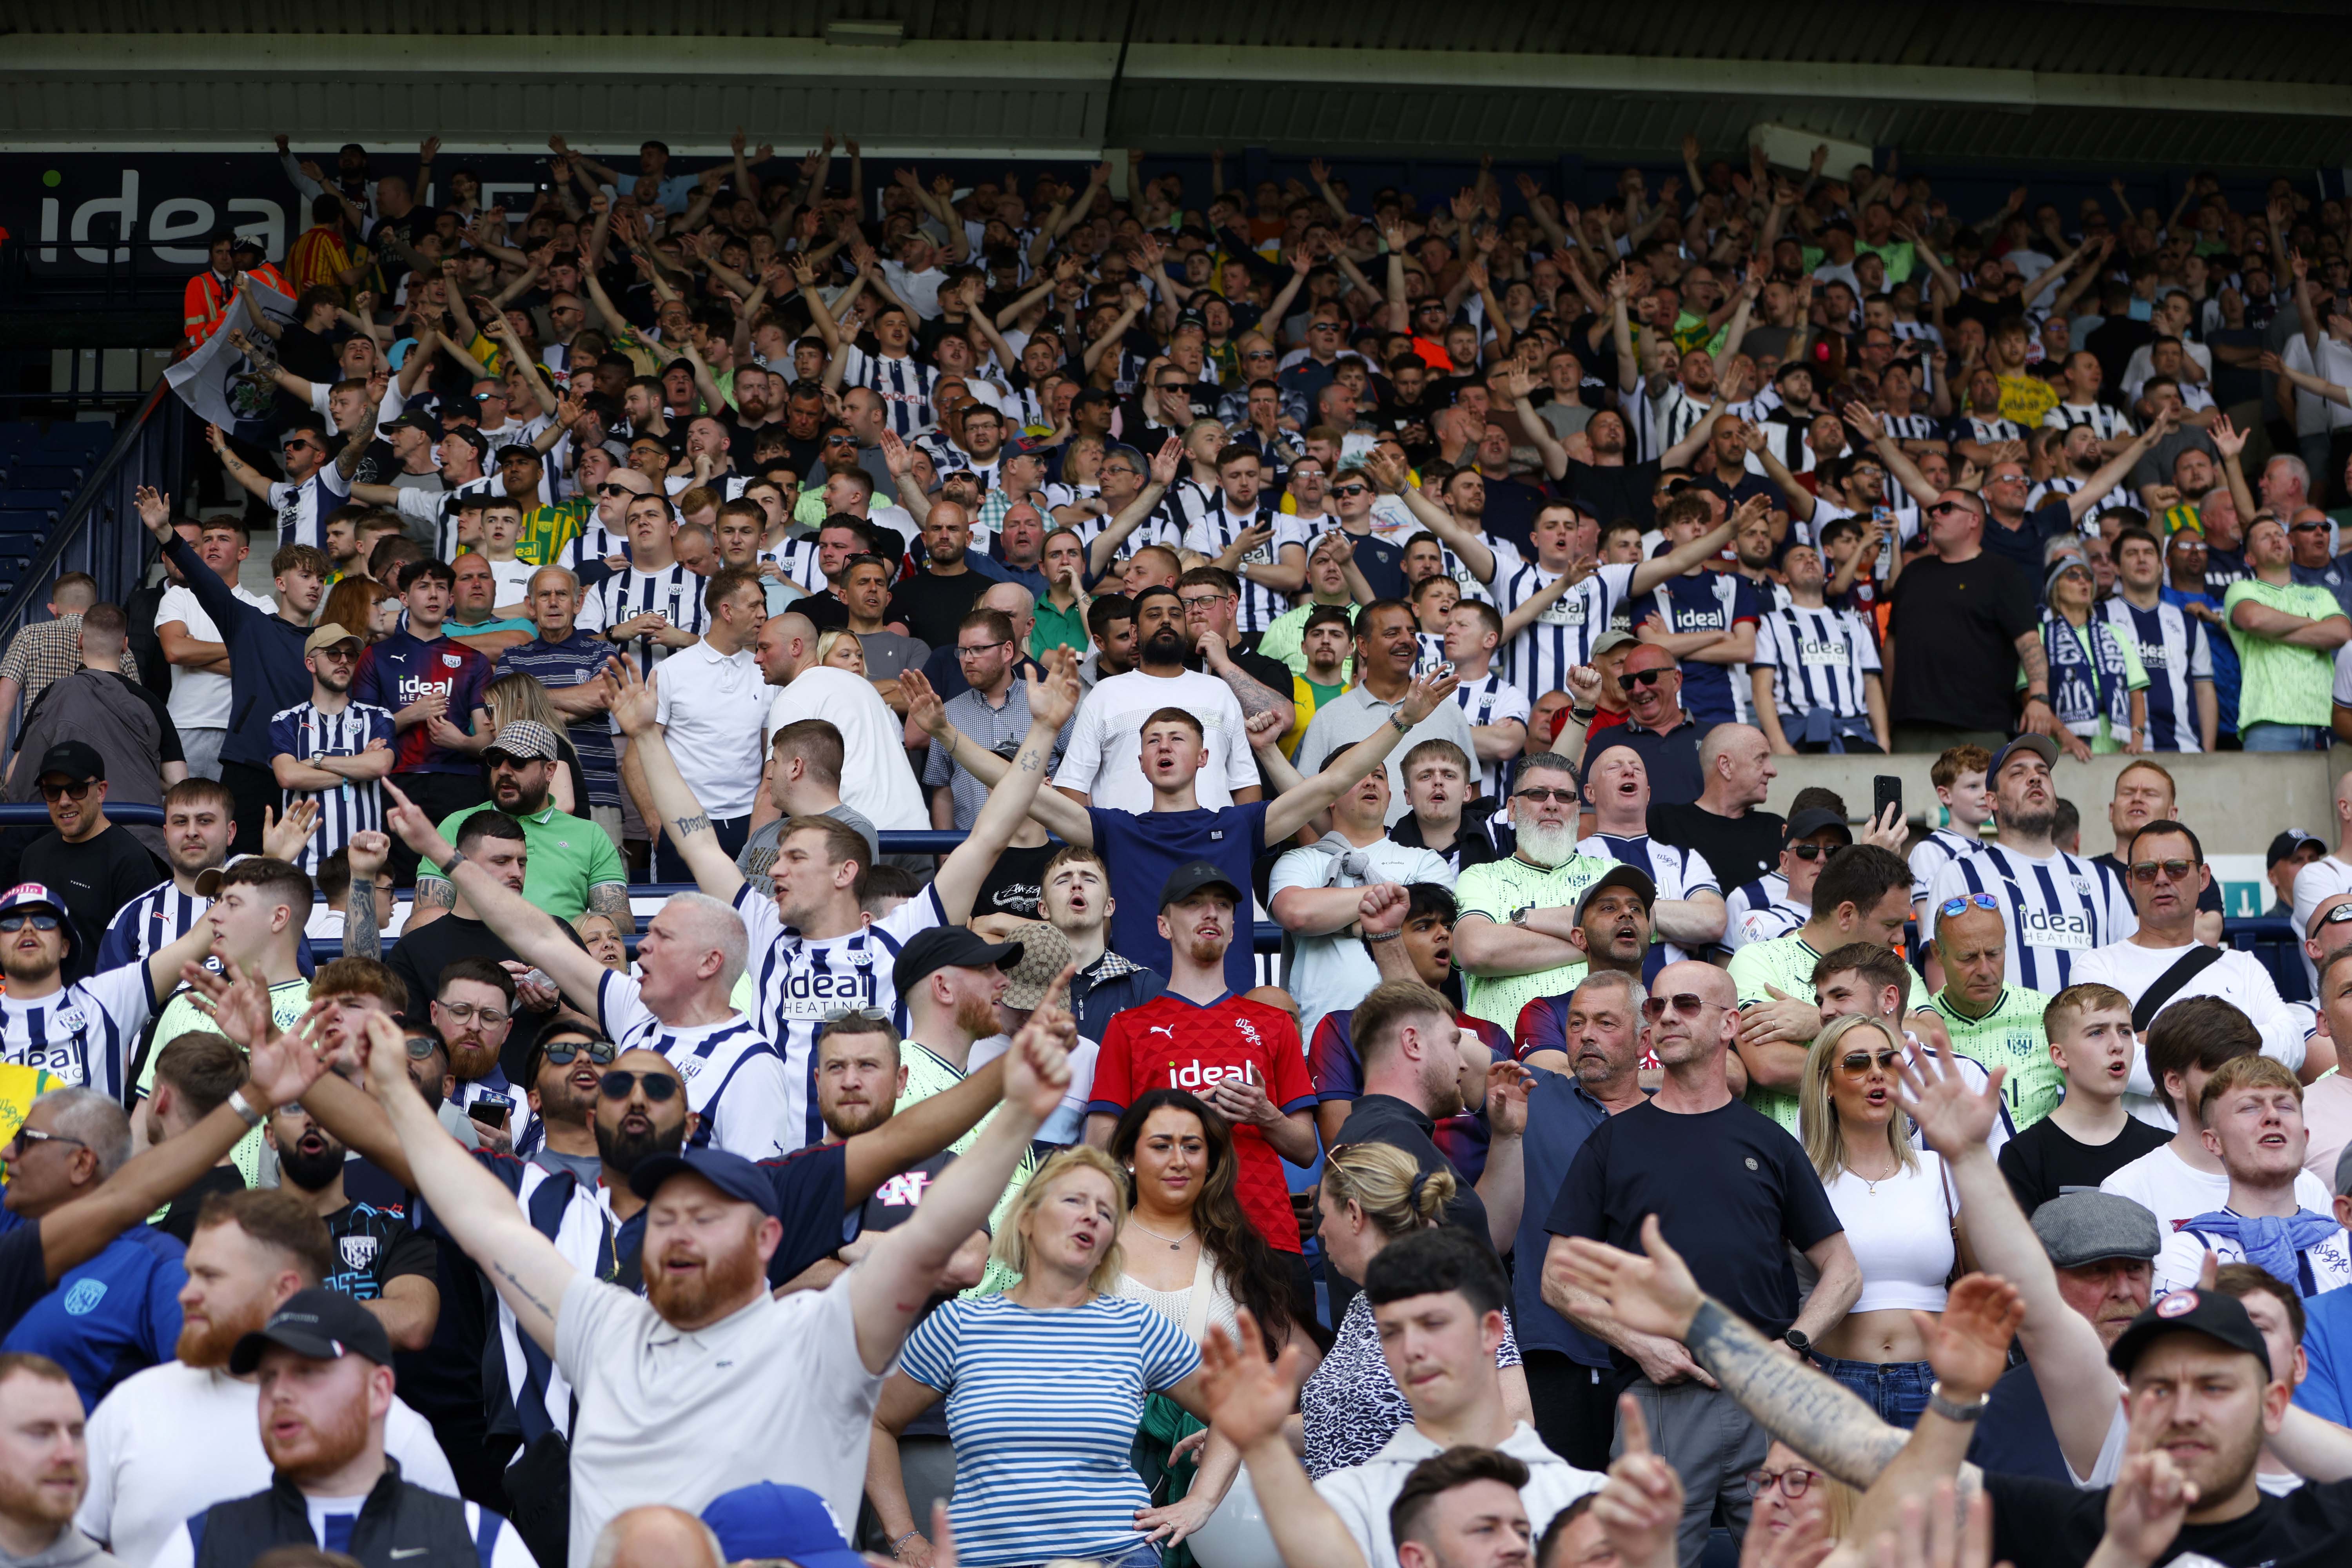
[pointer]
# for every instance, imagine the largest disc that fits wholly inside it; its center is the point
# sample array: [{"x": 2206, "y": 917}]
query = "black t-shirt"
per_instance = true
[
  {"x": 1732, "y": 1191},
  {"x": 178, "y": 1221},
  {"x": 1738, "y": 849},
  {"x": 930, "y": 604},
  {"x": 375, "y": 1245},
  {"x": 2045, "y": 1160},
  {"x": 825, "y": 611},
  {"x": 1956, "y": 628},
  {"x": 96, "y": 876},
  {"x": 2042, "y": 1524},
  {"x": 1016, "y": 884},
  {"x": 1384, "y": 1119},
  {"x": 2013, "y": 1436},
  {"x": 1623, "y": 491},
  {"x": 24, "y": 1272},
  {"x": 1511, "y": 507}
]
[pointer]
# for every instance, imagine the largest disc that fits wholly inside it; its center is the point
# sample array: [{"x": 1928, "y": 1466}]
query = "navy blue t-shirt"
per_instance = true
[
  {"x": 2025, "y": 545},
  {"x": 2014, "y": 1437},
  {"x": 115, "y": 1315},
  {"x": 1702, "y": 601},
  {"x": 1561, "y": 1120},
  {"x": 1732, "y": 1191},
  {"x": 1141, "y": 848},
  {"x": 812, "y": 1194}
]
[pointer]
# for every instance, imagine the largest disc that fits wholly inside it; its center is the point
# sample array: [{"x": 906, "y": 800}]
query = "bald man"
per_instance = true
[
  {"x": 655, "y": 1536},
  {"x": 1658, "y": 726},
  {"x": 2324, "y": 877},
  {"x": 878, "y": 783}
]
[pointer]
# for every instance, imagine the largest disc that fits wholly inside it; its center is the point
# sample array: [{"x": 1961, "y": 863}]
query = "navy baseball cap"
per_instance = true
[
  {"x": 765, "y": 1520},
  {"x": 36, "y": 896},
  {"x": 2042, "y": 746},
  {"x": 324, "y": 1325},
  {"x": 2207, "y": 1312},
  {"x": 1192, "y": 876},
  {"x": 730, "y": 1174}
]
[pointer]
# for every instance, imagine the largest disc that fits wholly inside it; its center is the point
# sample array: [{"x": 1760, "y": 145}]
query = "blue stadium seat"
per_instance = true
[
  {"x": 77, "y": 437},
  {"x": 22, "y": 472},
  {"x": 30, "y": 499},
  {"x": 28, "y": 521}
]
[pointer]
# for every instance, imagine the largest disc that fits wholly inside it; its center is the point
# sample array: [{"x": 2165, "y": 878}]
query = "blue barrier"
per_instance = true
[{"x": 33, "y": 813}]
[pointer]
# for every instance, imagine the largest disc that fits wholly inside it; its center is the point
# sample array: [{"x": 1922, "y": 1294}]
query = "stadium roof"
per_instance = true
[{"x": 2122, "y": 84}]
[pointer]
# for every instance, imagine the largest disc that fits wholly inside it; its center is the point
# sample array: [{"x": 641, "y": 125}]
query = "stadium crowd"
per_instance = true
[{"x": 1608, "y": 1170}]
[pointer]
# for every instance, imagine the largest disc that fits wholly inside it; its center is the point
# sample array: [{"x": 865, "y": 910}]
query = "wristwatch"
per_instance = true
[
  {"x": 2040, "y": 697},
  {"x": 1798, "y": 1341},
  {"x": 1951, "y": 1412}
]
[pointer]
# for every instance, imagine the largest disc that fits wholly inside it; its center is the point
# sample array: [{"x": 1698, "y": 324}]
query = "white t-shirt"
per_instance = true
[
  {"x": 2238, "y": 979},
  {"x": 877, "y": 782},
  {"x": 1332, "y": 972},
  {"x": 777, "y": 1389},
  {"x": 1105, "y": 757},
  {"x": 710, "y": 705},
  {"x": 512, "y": 582},
  {"x": 171, "y": 1441},
  {"x": 2162, "y": 1182},
  {"x": 1068, "y": 1123},
  {"x": 199, "y": 699}
]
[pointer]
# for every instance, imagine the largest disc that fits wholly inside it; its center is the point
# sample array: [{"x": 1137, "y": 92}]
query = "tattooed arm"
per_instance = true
[
  {"x": 683, "y": 821},
  {"x": 362, "y": 938},
  {"x": 1051, "y": 703},
  {"x": 1255, "y": 696},
  {"x": 611, "y": 900}
]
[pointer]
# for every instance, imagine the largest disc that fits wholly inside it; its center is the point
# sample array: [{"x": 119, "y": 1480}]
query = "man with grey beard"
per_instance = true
[{"x": 1511, "y": 940}]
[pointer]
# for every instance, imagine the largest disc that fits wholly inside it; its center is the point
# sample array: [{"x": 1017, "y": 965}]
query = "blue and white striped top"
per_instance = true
[{"x": 1043, "y": 1406}]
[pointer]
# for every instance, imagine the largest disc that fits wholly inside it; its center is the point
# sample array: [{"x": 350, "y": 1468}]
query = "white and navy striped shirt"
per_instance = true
[
  {"x": 1215, "y": 530},
  {"x": 149, "y": 923},
  {"x": 1913, "y": 426},
  {"x": 798, "y": 557},
  {"x": 2174, "y": 651},
  {"x": 1996, "y": 429},
  {"x": 84, "y": 1034},
  {"x": 2060, "y": 486},
  {"x": 302, "y": 507},
  {"x": 675, "y": 592},
  {"x": 735, "y": 1082},
  {"x": 1678, "y": 873},
  {"x": 1760, "y": 911},
  {"x": 1491, "y": 699},
  {"x": 1507, "y": 560},
  {"x": 1674, "y": 415},
  {"x": 1562, "y": 637},
  {"x": 302, "y": 732},
  {"x": 799, "y": 980},
  {"x": 2055, "y": 909},
  {"x": 1818, "y": 659},
  {"x": 2107, "y": 424},
  {"x": 1932, "y": 854},
  {"x": 904, "y": 385}
]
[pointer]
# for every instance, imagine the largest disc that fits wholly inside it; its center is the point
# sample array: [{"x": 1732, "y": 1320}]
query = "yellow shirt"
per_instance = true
[{"x": 2026, "y": 399}]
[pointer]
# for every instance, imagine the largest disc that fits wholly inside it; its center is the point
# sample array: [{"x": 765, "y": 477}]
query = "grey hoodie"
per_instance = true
[{"x": 71, "y": 1549}]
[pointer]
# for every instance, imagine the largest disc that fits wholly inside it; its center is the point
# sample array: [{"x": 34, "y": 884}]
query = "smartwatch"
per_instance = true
[{"x": 1798, "y": 1341}]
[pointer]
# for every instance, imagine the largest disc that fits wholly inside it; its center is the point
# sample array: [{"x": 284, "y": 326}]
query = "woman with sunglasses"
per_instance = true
[
  {"x": 2097, "y": 684},
  {"x": 1900, "y": 1213}
]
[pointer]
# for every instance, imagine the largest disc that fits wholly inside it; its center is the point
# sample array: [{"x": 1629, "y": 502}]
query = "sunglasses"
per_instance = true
[
  {"x": 28, "y": 1138},
  {"x": 65, "y": 790},
  {"x": 877, "y": 1015},
  {"x": 841, "y": 440},
  {"x": 1961, "y": 905},
  {"x": 659, "y": 1086},
  {"x": 2174, "y": 870},
  {"x": 1541, "y": 795},
  {"x": 1859, "y": 1062},
  {"x": 1350, "y": 489},
  {"x": 1812, "y": 851},
  {"x": 609, "y": 488},
  {"x": 1649, "y": 677},
  {"x": 1686, "y": 1004},
  {"x": 563, "y": 1052},
  {"x": 2307, "y": 528}
]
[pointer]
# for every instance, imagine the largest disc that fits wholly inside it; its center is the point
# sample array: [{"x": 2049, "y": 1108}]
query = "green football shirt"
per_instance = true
[
  {"x": 1499, "y": 890},
  {"x": 2010, "y": 1037},
  {"x": 2282, "y": 683},
  {"x": 1785, "y": 963}
]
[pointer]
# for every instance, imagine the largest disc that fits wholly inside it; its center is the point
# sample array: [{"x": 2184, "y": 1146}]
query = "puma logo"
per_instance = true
[{"x": 1164, "y": 1029}]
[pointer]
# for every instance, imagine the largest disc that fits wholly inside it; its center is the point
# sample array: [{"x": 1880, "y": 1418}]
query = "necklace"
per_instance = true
[
  {"x": 1175, "y": 1243},
  {"x": 1869, "y": 1184}
]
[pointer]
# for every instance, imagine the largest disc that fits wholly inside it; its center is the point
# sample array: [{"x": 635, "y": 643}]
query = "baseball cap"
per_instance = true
[
  {"x": 524, "y": 739},
  {"x": 1025, "y": 446},
  {"x": 949, "y": 947},
  {"x": 324, "y": 1325},
  {"x": 765, "y": 1520},
  {"x": 1816, "y": 819},
  {"x": 415, "y": 419},
  {"x": 327, "y": 635},
  {"x": 2076, "y": 1228},
  {"x": 1045, "y": 952},
  {"x": 1609, "y": 642},
  {"x": 78, "y": 760},
  {"x": 36, "y": 896},
  {"x": 730, "y": 1174},
  {"x": 2207, "y": 1313},
  {"x": 208, "y": 880},
  {"x": 1621, "y": 876},
  {"x": 2042, "y": 746},
  {"x": 2287, "y": 843},
  {"x": 1192, "y": 876}
]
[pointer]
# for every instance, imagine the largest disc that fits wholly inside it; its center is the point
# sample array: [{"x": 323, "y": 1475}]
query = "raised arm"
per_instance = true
[
  {"x": 1249, "y": 1401},
  {"x": 2116, "y": 468},
  {"x": 1388, "y": 472},
  {"x": 1314, "y": 797},
  {"x": 1890, "y": 452},
  {"x": 634, "y": 703},
  {"x": 255, "y": 481},
  {"x": 1649, "y": 574}
]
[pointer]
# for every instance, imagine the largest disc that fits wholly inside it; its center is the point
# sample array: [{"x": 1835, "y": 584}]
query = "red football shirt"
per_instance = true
[{"x": 1171, "y": 1043}]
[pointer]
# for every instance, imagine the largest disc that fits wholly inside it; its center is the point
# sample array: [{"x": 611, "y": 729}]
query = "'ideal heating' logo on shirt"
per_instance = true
[
  {"x": 1194, "y": 1075},
  {"x": 2045, "y": 928}
]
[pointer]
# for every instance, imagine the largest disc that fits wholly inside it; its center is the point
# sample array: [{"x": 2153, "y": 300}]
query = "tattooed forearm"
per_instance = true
[
  {"x": 1255, "y": 696},
  {"x": 611, "y": 899},
  {"x": 688, "y": 827},
  {"x": 362, "y": 936},
  {"x": 514, "y": 1283},
  {"x": 1797, "y": 1403}
]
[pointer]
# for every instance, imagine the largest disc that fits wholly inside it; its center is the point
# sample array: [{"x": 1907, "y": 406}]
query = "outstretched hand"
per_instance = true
[
  {"x": 1429, "y": 689},
  {"x": 1655, "y": 1294},
  {"x": 635, "y": 702},
  {"x": 1954, "y": 1118},
  {"x": 416, "y": 829},
  {"x": 1248, "y": 1396},
  {"x": 1967, "y": 1345},
  {"x": 1640, "y": 1509}
]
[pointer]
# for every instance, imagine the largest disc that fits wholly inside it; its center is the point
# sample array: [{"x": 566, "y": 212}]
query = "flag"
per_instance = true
[{"x": 215, "y": 379}]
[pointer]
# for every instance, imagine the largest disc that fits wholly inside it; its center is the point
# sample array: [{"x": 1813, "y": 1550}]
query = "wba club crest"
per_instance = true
[{"x": 358, "y": 1251}]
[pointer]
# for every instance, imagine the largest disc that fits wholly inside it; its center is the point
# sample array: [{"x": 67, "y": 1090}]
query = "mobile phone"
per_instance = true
[
  {"x": 1885, "y": 790},
  {"x": 489, "y": 1112}
]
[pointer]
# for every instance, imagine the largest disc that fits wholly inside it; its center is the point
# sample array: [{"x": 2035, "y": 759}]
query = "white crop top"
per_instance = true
[{"x": 1900, "y": 1235}]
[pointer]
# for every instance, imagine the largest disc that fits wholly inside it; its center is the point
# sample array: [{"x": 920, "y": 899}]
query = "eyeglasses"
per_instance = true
[
  {"x": 65, "y": 790},
  {"x": 1649, "y": 677},
  {"x": 1541, "y": 795},
  {"x": 1961, "y": 905},
  {"x": 1686, "y": 1004},
  {"x": 466, "y": 1012},
  {"x": 1792, "y": 1481},
  {"x": 2173, "y": 870},
  {"x": 420, "y": 1047},
  {"x": 659, "y": 1086},
  {"x": 489, "y": 397},
  {"x": 27, "y": 1138},
  {"x": 869, "y": 1015},
  {"x": 976, "y": 649},
  {"x": 1859, "y": 1062},
  {"x": 1202, "y": 601},
  {"x": 563, "y": 1052}
]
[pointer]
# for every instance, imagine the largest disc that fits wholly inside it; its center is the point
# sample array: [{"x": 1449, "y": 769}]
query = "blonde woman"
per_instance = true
[
  {"x": 602, "y": 937},
  {"x": 842, "y": 650},
  {"x": 512, "y": 698},
  {"x": 1898, "y": 1206},
  {"x": 1045, "y": 1386},
  {"x": 1372, "y": 1194}
]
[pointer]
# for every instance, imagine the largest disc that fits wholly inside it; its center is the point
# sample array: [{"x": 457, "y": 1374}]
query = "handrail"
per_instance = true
[
  {"x": 115, "y": 561},
  {"x": 33, "y": 813}
]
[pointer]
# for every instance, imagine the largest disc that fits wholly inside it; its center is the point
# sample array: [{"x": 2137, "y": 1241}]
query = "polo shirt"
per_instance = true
[
  {"x": 710, "y": 706},
  {"x": 1057, "y": 627},
  {"x": 1356, "y": 714},
  {"x": 1561, "y": 1117},
  {"x": 568, "y": 856},
  {"x": 1670, "y": 755},
  {"x": 1384, "y": 1119},
  {"x": 1500, "y": 889},
  {"x": 576, "y": 660}
]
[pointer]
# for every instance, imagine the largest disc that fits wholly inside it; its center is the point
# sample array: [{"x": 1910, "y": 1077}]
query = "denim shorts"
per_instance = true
[{"x": 1895, "y": 1390}]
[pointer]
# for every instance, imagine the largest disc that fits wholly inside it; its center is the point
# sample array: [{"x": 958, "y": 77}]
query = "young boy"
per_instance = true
[
  {"x": 1433, "y": 599},
  {"x": 1498, "y": 710},
  {"x": 2089, "y": 1136},
  {"x": 501, "y": 532},
  {"x": 1958, "y": 776}
]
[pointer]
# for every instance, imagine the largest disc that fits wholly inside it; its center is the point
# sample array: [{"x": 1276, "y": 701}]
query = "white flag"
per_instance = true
[{"x": 212, "y": 381}]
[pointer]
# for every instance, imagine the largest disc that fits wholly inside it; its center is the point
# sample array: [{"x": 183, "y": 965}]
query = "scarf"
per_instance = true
[
  {"x": 2088, "y": 677},
  {"x": 2272, "y": 1243}
]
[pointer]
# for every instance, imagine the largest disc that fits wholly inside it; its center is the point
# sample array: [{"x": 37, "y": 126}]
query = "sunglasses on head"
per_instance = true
[
  {"x": 1650, "y": 676},
  {"x": 2174, "y": 870},
  {"x": 659, "y": 1086},
  {"x": 1961, "y": 905},
  {"x": 1859, "y": 1062}
]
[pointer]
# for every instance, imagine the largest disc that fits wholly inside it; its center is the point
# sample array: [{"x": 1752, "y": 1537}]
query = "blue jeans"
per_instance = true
[
  {"x": 1895, "y": 1390},
  {"x": 2269, "y": 737},
  {"x": 1145, "y": 1555}
]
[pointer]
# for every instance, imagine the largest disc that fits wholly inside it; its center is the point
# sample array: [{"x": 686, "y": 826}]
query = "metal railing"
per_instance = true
[{"x": 99, "y": 531}]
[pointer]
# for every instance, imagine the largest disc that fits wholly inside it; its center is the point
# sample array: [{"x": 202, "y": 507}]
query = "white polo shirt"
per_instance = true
[{"x": 710, "y": 706}]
